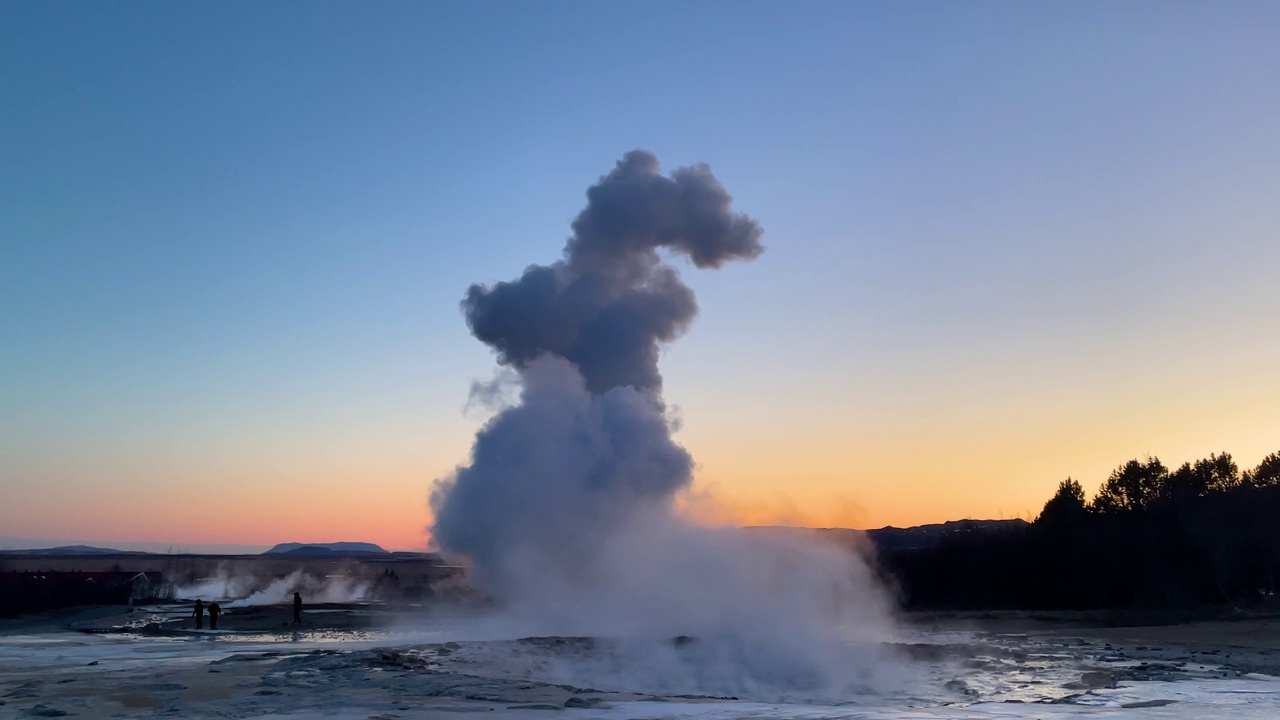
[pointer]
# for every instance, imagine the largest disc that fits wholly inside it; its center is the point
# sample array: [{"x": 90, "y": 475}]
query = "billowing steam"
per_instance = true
[
  {"x": 247, "y": 590},
  {"x": 589, "y": 444},
  {"x": 566, "y": 509}
]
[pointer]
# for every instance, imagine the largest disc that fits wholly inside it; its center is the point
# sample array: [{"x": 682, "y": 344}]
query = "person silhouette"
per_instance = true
[
  {"x": 213, "y": 615},
  {"x": 297, "y": 609},
  {"x": 198, "y": 613}
]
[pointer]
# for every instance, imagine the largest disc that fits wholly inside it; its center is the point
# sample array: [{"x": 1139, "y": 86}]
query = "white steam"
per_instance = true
[
  {"x": 757, "y": 615},
  {"x": 567, "y": 508},
  {"x": 236, "y": 591}
]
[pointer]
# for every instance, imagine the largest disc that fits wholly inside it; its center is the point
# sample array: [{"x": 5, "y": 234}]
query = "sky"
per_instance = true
[{"x": 1007, "y": 243}]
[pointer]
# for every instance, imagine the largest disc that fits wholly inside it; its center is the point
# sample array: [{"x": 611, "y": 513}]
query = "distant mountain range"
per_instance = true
[
  {"x": 920, "y": 537},
  {"x": 886, "y": 538},
  {"x": 79, "y": 546},
  {"x": 294, "y": 549},
  {"x": 927, "y": 536},
  {"x": 76, "y": 550}
]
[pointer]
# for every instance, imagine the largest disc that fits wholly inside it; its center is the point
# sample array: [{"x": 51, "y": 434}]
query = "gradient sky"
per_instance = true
[{"x": 1007, "y": 243}]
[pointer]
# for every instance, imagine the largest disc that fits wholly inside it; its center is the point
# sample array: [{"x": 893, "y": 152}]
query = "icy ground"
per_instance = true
[{"x": 447, "y": 667}]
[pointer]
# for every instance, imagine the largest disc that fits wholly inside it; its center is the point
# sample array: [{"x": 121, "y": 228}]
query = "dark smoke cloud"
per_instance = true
[
  {"x": 611, "y": 302},
  {"x": 588, "y": 448}
]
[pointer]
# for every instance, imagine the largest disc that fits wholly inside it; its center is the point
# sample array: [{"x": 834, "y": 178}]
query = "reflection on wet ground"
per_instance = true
[{"x": 980, "y": 667}]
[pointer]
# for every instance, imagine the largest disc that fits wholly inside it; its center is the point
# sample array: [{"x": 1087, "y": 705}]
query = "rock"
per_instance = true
[
  {"x": 28, "y": 689},
  {"x": 959, "y": 686},
  {"x": 46, "y": 711},
  {"x": 1098, "y": 679}
]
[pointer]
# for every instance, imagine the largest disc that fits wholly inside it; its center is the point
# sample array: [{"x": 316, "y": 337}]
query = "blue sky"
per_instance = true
[{"x": 235, "y": 235}]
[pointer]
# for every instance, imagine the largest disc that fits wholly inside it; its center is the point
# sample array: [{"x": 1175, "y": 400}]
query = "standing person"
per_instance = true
[
  {"x": 213, "y": 615},
  {"x": 297, "y": 609},
  {"x": 198, "y": 613}
]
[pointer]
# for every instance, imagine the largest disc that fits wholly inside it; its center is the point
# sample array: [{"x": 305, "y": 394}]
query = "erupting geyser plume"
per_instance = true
[
  {"x": 567, "y": 507},
  {"x": 590, "y": 445}
]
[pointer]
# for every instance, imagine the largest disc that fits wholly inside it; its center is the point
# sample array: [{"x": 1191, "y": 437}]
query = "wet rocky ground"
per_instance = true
[{"x": 135, "y": 665}]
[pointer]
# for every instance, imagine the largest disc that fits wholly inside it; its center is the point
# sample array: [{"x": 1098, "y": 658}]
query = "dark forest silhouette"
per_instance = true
[{"x": 1205, "y": 534}]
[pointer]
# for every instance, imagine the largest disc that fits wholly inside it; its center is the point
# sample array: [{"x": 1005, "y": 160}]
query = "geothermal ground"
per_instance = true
[{"x": 366, "y": 661}]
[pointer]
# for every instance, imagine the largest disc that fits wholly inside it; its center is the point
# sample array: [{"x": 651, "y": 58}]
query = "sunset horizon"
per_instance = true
[
  {"x": 640, "y": 361},
  {"x": 243, "y": 327}
]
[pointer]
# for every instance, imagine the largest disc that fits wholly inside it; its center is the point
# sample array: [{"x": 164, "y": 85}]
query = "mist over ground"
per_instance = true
[{"x": 252, "y": 590}]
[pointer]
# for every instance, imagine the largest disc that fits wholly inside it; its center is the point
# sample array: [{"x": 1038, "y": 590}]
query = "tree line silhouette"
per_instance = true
[{"x": 1205, "y": 534}]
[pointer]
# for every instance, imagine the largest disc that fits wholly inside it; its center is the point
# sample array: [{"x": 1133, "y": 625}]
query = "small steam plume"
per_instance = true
[
  {"x": 317, "y": 590},
  {"x": 567, "y": 508},
  {"x": 246, "y": 589}
]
